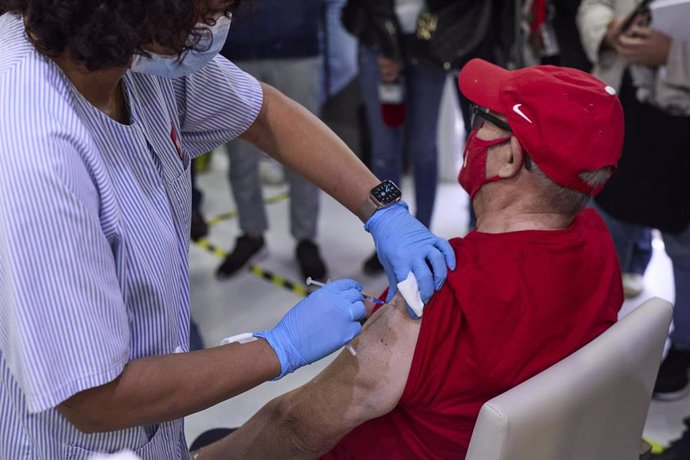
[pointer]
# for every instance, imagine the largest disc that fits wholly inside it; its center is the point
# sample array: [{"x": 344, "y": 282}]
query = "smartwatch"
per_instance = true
[{"x": 384, "y": 194}]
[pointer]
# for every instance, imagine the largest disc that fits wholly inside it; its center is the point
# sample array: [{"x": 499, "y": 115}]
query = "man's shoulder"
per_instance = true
[{"x": 492, "y": 255}]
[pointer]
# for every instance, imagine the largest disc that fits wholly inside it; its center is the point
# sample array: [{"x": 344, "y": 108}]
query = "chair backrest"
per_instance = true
[{"x": 591, "y": 405}]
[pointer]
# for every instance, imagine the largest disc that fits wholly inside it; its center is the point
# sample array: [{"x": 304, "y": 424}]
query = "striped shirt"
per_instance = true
[{"x": 94, "y": 235}]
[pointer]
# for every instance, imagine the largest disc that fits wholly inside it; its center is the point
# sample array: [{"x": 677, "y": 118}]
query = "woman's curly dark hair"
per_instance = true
[{"x": 104, "y": 34}]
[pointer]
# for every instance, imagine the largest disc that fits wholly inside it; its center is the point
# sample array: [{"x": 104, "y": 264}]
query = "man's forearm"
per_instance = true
[
  {"x": 161, "y": 388},
  {"x": 272, "y": 433},
  {"x": 298, "y": 139}
]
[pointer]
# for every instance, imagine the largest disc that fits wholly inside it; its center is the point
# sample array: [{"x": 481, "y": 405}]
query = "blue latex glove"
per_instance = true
[
  {"x": 317, "y": 326},
  {"x": 404, "y": 245}
]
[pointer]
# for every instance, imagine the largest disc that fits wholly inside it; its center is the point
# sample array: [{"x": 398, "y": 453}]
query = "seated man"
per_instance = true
[{"x": 534, "y": 282}]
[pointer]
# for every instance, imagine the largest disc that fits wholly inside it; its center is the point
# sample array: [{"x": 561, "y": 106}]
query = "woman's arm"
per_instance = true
[
  {"x": 298, "y": 139},
  {"x": 161, "y": 388}
]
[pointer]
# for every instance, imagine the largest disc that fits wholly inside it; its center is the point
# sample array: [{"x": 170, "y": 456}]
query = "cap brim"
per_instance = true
[{"x": 480, "y": 82}]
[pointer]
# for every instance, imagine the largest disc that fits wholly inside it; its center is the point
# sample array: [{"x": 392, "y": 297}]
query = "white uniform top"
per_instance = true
[{"x": 94, "y": 234}]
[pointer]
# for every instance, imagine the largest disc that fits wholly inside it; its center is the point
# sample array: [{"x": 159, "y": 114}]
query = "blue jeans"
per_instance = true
[
  {"x": 424, "y": 88},
  {"x": 633, "y": 243},
  {"x": 678, "y": 249}
]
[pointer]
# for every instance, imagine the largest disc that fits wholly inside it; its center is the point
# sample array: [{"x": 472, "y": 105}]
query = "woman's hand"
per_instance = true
[
  {"x": 645, "y": 46},
  {"x": 639, "y": 44},
  {"x": 317, "y": 326},
  {"x": 404, "y": 245}
]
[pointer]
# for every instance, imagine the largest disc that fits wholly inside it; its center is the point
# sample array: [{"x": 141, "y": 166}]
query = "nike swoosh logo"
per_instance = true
[{"x": 516, "y": 109}]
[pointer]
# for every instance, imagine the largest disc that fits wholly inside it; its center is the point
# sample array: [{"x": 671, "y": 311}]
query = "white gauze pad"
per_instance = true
[{"x": 409, "y": 289}]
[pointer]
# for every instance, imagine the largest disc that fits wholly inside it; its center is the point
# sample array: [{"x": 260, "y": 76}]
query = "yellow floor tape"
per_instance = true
[
  {"x": 215, "y": 250},
  {"x": 254, "y": 269},
  {"x": 277, "y": 280},
  {"x": 656, "y": 447}
]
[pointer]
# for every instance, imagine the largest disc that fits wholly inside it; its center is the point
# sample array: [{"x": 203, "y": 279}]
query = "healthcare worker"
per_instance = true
[{"x": 102, "y": 105}]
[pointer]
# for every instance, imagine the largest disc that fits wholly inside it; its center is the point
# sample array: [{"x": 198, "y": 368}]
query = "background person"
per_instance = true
[
  {"x": 652, "y": 185},
  {"x": 278, "y": 43}
]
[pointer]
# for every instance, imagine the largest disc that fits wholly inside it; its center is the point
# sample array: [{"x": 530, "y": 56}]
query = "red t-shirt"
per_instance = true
[{"x": 516, "y": 304}]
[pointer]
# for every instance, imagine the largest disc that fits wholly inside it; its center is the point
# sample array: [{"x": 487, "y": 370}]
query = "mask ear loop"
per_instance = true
[{"x": 527, "y": 160}]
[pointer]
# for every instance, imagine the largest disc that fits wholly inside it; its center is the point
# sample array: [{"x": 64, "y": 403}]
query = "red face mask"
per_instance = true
[{"x": 473, "y": 172}]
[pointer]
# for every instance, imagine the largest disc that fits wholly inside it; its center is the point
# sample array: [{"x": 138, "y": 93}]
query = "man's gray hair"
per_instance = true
[{"x": 563, "y": 200}]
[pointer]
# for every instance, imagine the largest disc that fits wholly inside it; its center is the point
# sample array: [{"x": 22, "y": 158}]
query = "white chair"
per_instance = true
[{"x": 592, "y": 405}]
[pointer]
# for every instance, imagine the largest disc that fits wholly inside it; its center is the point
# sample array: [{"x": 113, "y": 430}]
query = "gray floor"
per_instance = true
[{"x": 248, "y": 303}]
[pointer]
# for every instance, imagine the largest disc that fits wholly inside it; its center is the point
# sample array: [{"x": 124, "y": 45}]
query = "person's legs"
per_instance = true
[
  {"x": 246, "y": 191},
  {"x": 304, "y": 209},
  {"x": 197, "y": 195},
  {"x": 672, "y": 381},
  {"x": 243, "y": 174},
  {"x": 246, "y": 187},
  {"x": 245, "y": 184},
  {"x": 678, "y": 249},
  {"x": 196, "y": 342},
  {"x": 634, "y": 245},
  {"x": 299, "y": 80},
  {"x": 425, "y": 82},
  {"x": 198, "y": 227},
  {"x": 386, "y": 142},
  {"x": 641, "y": 252},
  {"x": 634, "y": 252},
  {"x": 634, "y": 248}
]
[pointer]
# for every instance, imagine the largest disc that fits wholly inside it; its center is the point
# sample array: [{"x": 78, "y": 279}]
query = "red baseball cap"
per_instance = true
[{"x": 568, "y": 121}]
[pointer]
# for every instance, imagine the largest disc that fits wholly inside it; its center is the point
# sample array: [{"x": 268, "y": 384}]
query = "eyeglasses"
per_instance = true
[{"x": 479, "y": 114}]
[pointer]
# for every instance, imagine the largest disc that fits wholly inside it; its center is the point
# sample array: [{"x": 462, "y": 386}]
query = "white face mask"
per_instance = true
[{"x": 173, "y": 67}]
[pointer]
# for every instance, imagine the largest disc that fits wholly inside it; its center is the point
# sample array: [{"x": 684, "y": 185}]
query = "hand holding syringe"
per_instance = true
[
  {"x": 349, "y": 346},
  {"x": 366, "y": 297}
]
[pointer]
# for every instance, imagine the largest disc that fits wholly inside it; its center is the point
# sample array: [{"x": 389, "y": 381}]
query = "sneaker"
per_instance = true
[
  {"x": 310, "y": 262},
  {"x": 672, "y": 380},
  {"x": 245, "y": 248},
  {"x": 633, "y": 285},
  {"x": 372, "y": 266},
  {"x": 199, "y": 227},
  {"x": 678, "y": 449}
]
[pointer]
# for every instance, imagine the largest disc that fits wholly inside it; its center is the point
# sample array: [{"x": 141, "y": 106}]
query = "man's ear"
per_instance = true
[{"x": 511, "y": 159}]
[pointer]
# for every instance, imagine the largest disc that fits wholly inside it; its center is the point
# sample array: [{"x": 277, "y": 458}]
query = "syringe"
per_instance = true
[
  {"x": 349, "y": 346},
  {"x": 367, "y": 297}
]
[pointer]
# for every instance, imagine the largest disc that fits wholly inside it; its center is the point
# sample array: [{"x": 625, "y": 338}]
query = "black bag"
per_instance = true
[
  {"x": 651, "y": 185},
  {"x": 451, "y": 32}
]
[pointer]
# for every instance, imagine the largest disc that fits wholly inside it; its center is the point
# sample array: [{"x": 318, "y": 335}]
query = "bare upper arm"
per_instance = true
[{"x": 358, "y": 388}]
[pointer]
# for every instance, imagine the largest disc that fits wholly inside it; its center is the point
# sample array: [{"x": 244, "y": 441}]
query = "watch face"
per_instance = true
[{"x": 386, "y": 192}]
